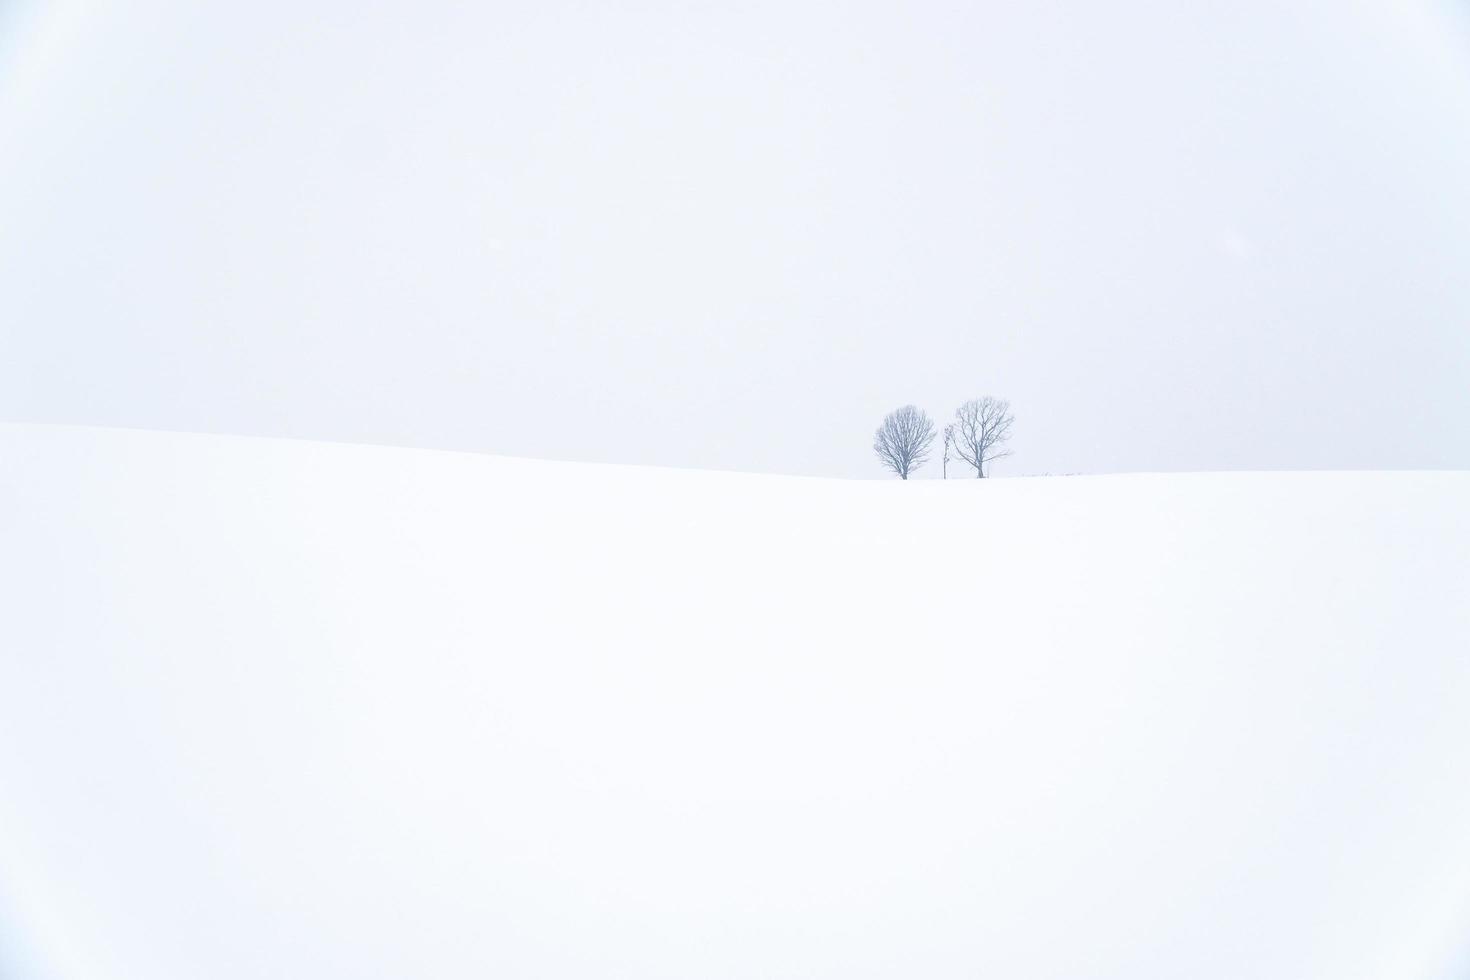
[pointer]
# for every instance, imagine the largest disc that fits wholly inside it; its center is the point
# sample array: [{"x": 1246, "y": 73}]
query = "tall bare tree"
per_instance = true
[
  {"x": 981, "y": 426},
  {"x": 902, "y": 441}
]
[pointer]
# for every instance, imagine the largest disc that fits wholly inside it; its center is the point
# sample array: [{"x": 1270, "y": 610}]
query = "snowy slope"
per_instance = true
[{"x": 282, "y": 709}]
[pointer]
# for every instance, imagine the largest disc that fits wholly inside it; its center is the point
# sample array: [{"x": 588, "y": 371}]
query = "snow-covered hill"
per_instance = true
[{"x": 281, "y": 709}]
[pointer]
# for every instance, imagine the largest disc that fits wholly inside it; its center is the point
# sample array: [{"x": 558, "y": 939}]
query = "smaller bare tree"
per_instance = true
[
  {"x": 981, "y": 425},
  {"x": 902, "y": 441},
  {"x": 948, "y": 445}
]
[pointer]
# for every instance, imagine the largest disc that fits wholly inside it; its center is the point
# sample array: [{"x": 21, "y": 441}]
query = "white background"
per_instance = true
[{"x": 1176, "y": 235}]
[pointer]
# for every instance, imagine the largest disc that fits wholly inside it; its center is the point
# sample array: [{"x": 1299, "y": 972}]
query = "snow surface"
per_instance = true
[{"x": 285, "y": 709}]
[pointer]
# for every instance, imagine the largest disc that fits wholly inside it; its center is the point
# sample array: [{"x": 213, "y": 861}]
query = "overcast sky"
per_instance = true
[{"x": 1177, "y": 236}]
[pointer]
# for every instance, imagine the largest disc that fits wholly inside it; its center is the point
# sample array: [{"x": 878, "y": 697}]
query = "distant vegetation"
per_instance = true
[{"x": 977, "y": 436}]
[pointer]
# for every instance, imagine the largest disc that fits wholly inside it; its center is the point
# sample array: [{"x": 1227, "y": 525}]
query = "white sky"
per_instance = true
[{"x": 1174, "y": 235}]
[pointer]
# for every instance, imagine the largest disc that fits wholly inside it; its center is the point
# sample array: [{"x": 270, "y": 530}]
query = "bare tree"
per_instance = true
[
  {"x": 902, "y": 441},
  {"x": 948, "y": 445},
  {"x": 981, "y": 425}
]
